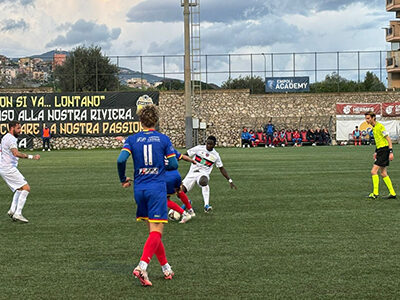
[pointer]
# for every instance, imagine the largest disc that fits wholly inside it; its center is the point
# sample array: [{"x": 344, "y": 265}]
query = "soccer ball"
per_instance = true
[{"x": 174, "y": 215}]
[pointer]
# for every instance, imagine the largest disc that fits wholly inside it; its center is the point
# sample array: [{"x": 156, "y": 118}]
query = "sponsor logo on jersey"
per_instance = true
[{"x": 148, "y": 171}]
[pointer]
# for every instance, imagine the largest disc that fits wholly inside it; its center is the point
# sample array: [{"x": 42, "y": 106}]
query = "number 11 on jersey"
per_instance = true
[{"x": 148, "y": 155}]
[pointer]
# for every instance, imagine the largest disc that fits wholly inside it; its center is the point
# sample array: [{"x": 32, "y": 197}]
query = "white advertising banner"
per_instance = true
[{"x": 345, "y": 126}]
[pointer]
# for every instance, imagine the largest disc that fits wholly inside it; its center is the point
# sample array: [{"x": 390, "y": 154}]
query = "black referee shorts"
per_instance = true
[{"x": 382, "y": 157}]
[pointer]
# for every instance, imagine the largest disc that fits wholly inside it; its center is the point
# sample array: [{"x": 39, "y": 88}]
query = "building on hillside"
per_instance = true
[
  {"x": 393, "y": 37},
  {"x": 138, "y": 83},
  {"x": 25, "y": 65},
  {"x": 59, "y": 59}
]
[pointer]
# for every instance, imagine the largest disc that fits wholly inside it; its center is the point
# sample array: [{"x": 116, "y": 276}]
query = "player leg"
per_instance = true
[
  {"x": 154, "y": 202},
  {"x": 14, "y": 203},
  {"x": 186, "y": 202},
  {"x": 21, "y": 189},
  {"x": 205, "y": 190},
  {"x": 388, "y": 182},
  {"x": 375, "y": 182},
  {"x": 24, "y": 192}
]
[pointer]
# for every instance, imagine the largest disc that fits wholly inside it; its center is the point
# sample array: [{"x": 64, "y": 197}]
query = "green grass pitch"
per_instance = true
[{"x": 298, "y": 227}]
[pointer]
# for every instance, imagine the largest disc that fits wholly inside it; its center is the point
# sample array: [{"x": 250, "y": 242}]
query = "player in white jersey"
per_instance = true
[
  {"x": 206, "y": 157},
  {"x": 10, "y": 173}
]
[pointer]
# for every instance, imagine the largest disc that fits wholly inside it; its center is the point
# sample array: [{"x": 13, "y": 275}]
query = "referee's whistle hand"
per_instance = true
[{"x": 391, "y": 156}]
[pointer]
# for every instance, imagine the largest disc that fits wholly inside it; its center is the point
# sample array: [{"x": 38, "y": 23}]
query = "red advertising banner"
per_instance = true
[
  {"x": 391, "y": 109},
  {"x": 357, "y": 108}
]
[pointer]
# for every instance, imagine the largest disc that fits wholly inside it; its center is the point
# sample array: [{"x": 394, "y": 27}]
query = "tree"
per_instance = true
[
  {"x": 372, "y": 83},
  {"x": 336, "y": 83},
  {"x": 179, "y": 85},
  {"x": 87, "y": 70},
  {"x": 255, "y": 84}
]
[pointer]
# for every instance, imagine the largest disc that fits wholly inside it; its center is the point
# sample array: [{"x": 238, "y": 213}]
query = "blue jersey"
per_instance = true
[{"x": 148, "y": 149}]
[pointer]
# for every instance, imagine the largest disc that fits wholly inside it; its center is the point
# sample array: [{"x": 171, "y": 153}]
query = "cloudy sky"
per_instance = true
[{"x": 151, "y": 27}]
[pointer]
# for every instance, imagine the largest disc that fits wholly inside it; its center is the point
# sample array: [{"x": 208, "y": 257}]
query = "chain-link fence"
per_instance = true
[{"x": 167, "y": 71}]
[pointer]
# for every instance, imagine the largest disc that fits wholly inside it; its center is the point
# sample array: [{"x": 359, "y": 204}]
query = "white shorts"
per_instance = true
[
  {"x": 192, "y": 178},
  {"x": 13, "y": 178}
]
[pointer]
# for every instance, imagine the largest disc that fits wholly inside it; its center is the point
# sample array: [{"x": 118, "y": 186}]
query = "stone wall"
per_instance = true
[{"x": 227, "y": 111}]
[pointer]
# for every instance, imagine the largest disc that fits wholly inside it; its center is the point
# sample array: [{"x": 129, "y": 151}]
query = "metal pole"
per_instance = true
[
  {"x": 272, "y": 64},
  {"x": 315, "y": 66},
  {"x": 251, "y": 73},
  {"x": 380, "y": 65},
  {"x": 265, "y": 65},
  {"x": 358, "y": 66},
  {"x": 163, "y": 63},
  {"x": 337, "y": 66},
  {"x": 294, "y": 64},
  {"x": 118, "y": 72},
  {"x": 229, "y": 62},
  {"x": 141, "y": 72},
  {"x": 188, "y": 88},
  {"x": 75, "y": 73},
  {"x": 207, "y": 72},
  {"x": 97, "y": 77}
]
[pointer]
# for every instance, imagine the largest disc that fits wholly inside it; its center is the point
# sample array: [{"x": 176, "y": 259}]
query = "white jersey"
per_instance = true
[
  {"x": 205, "y": 159},
  {"x": 8, "y": 160}
]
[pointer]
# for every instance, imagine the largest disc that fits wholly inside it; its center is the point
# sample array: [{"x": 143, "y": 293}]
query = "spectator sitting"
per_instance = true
[
  {"x": 289, "y": 136},
  {"x": 282, "y": 138},
  {"x": 260, "y": 138},
  {"x": 269, "y": 132},
  {"x": 296, "y": 139},
  {"x": 357, "y": 136},
  {"x": 318, "y": 137},
  {"x": 326, "y": 136},
  {"x": 275, "y": 141},
  {"x": 311, "y": 137},
  {"x": 246, "y": 138},
  {"x": 253, "y": 137},
  {"x": 303, "y": 135}
]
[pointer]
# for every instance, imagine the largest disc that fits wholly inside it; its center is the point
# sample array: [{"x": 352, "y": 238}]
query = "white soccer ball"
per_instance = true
[{"x": 174, "y": 215}]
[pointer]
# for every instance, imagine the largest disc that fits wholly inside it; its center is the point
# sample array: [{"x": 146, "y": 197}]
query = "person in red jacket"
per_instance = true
[
  {"x": 46, "y": 136},
  {"x": 296, "y": 138}
]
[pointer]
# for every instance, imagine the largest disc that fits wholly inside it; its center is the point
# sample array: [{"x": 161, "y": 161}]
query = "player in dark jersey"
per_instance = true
[
  {"x": 174, "y": 180},
  {"x": 149, "y": 148}
]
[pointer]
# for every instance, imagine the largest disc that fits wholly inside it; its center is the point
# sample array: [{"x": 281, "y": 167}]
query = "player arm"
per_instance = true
[
  {"x": 18, "y": 154},
  {"x": 121, "y": 165},
  {"x": 172, "y": 162},
  {"x": 225, "y": 174},
  {"x": 390, "y": 142},
  {"x": 390, "y": 147},
  {"x": 188, "y": 159}
]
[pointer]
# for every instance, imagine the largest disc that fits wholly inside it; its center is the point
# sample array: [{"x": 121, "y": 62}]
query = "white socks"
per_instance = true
[
  {"x": 21, "y": 201},
  {"x": 206, "y": 194},
  {"x": 166, "y": 267},
  {"x": 14, "y": 202},
  {"x": 143, "y": 265}
]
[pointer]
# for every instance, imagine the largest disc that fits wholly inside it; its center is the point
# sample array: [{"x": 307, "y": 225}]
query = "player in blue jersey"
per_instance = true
[
  {"x": 149, "y": 149},
  {"x": 174, "y": 180}
]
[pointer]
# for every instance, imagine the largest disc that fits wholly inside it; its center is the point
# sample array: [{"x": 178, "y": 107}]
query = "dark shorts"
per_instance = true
[
  {"x": 382, "y": 157},
  {"x": 173, "y": 180},
  {"x": 152, "y": 205}
]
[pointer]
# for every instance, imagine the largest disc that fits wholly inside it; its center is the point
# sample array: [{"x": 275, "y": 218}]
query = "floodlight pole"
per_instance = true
[{"x": 188, "y": 86}]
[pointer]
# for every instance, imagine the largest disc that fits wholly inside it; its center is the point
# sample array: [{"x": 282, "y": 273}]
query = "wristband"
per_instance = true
[
  {"x": 30, "y": 156},
  {"x": 390, "y": 150},
  {"x": 230, "y": 180}
]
